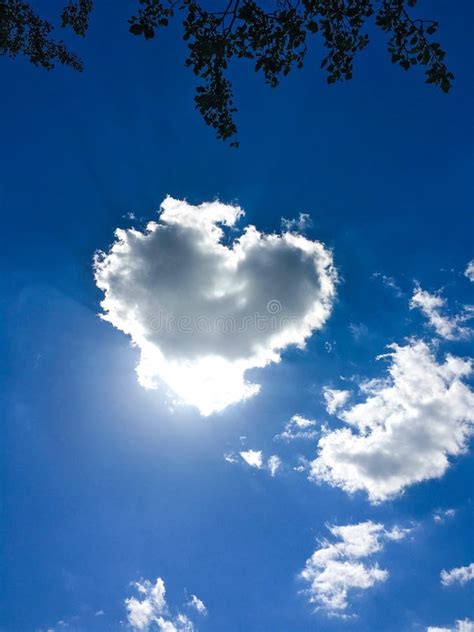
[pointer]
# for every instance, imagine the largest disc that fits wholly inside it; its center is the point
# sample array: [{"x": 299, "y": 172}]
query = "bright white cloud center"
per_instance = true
[
  {"x": 204, "y": 309},
  {"x": 405, "y": 430},
  {"x": 254, "y": 458}
]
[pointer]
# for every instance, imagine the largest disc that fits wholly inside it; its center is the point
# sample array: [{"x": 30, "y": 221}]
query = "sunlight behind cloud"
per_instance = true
[{"x": 204, "y": 308}]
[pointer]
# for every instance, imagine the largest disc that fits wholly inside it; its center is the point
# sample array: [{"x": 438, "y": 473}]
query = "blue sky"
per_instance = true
[{"x": 103, "y": 484}]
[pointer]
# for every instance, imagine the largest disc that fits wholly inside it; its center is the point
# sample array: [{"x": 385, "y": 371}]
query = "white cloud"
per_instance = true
[
  {"x": 197, "y": 604},
  {"x": 405, "y": 430},
  {"x": 254, "y": 458},
  {"x": 432, "y": 306},
  {"x": 257, "y": 460},
  {"x": 298, "y": 427},
  {"x": 141, "y": 613},
  {"x": 203, "y": 312},
  {"x": 469, "y": 271},
  {"x": 336, "y": 570},
  {"x": 273, "y": 464},
  {"x": 460, "y": 575},
  {"x": 152, "y": 611},
  {"x": 466, "y": 625},
  {"x": 335, "y": 399},
  {"x": 297, "y": 224}
]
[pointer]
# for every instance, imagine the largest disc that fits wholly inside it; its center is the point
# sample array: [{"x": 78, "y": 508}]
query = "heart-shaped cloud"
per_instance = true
[{"x": 204, "y": 308}]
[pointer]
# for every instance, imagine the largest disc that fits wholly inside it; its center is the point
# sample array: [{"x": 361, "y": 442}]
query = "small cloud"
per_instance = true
[
  {"x": 460, "y": 575},
  {"x": 296, "y": 225},
  {"x": 197, "y": 604},
  {"x": 230, "y": 457},
  {"x": 337, "y": 570},
  {"x": 300, "y": 468},
  {"x": 254, "y": 458},
  {"x": 273, "y": 464},
  {"x": 303, "y": 465},
  {"x": 469, "y": 271},
  {"x": 298, "y": 427}
]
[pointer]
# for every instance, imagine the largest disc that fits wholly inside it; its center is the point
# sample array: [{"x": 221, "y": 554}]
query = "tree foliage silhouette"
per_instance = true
[{"x": 274, "y": 39}]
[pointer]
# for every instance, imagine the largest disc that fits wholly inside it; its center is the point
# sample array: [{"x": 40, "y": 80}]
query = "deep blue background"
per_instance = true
[{"x": 101, "y": 484}]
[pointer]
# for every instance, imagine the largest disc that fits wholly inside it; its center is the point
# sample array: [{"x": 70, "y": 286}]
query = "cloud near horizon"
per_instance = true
[
  {"x": 460, "y": 575},
  {"x": 204, "y": 308}
]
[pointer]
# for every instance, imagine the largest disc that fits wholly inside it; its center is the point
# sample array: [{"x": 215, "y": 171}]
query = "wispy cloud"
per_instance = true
[
  {"x": 433, "y": 306},
  {"x": 197, "y": 604},
  {"x": 441, "y": 515},
  {"x": 298, "y": 428},
  {"x": 389, "y": 282},
  {"x": 254, "y": 458},
  {"x": 469, "y": 271},
  {"x": 297, "y": 224}
]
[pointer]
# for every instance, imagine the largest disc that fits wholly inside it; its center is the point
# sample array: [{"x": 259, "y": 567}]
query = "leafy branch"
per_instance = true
[{"x": 274, "y": 39}]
